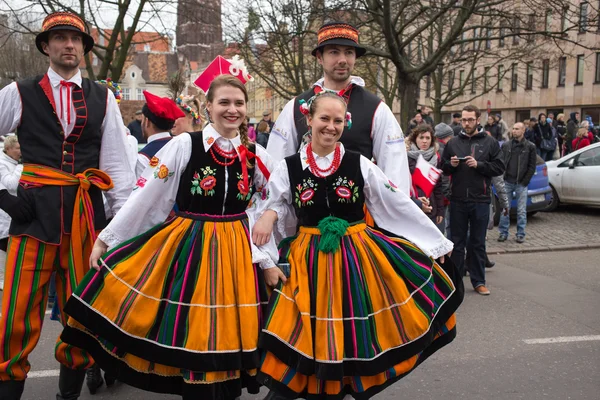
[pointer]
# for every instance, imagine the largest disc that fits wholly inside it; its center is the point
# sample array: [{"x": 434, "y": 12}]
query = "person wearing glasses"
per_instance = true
[{"x": 471, "y": 159}]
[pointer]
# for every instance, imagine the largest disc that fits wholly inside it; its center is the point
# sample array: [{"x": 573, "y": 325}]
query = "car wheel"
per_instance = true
[{"x": 554, "y": 201}]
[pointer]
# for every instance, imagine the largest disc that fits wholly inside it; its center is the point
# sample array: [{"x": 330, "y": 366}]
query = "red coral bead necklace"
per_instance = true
[
  {"x": 227, "y": 155},
  {"x": 323, "y": 173}
]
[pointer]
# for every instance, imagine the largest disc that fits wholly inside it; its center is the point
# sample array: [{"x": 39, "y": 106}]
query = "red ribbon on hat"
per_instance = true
[{"x": 246, "y": 154}]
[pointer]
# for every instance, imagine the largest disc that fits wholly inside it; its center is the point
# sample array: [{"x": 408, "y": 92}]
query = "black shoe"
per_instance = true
[
  {"x": 93, "y": 378},
  {"x": 490, "y": 264},
  {"x": 70, "y": 382},
  {"x": 520, "y": 239},
  {"x": 502, "y": 238},
  {"x": 11, "y": 390},
  {"x": 109, "y": 379}
]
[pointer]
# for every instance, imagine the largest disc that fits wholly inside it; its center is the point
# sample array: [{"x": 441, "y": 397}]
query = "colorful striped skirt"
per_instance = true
[
  {"x": 177, "y": 309},
  {"x": 355, "y": 320}
]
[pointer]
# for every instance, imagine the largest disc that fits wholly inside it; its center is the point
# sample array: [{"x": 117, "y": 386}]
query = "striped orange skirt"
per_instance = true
[
  {"x": 356, "y": 320},
  {"x": 177, "y": 309}
]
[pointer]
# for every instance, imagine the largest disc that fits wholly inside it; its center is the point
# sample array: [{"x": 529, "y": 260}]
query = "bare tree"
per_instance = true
[{"x": 177, "y": 83}]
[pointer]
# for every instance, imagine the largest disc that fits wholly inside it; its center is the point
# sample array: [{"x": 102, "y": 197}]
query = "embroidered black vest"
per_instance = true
[
  {"x": 339, "y": 195},
  {"x": 154, "y": 146},
  {"x": 207, "y": 187},
  {"x": 43, "y": 142},
  {"x": 362, "y": 105}
]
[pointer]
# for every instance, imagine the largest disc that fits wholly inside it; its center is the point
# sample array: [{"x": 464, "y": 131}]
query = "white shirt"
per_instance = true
[
  {"x": 113, "y": 148},
  {"x": 153, "y": 199},
  {"x": 389, "y": 149},
  {"x": 10, "y": 174},
  {"x": 142, "y": 160},
  {"x": 391, "y": 208}
]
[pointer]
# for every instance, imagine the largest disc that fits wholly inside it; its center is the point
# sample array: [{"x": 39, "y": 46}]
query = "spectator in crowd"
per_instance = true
[
  {"x": 504, "y": 130},
  {"x": 545, "y": 138},
  {"x": 531, "y": 130},
  {"x": 520, "y": 161},
  {"x": 493, "y": 128},
  {"x": 471, "y": 159},
  {"x": 10, "y": 173},
  {"x": 443, "y": 133},
  {"x": 267, "y": 118},
  {"x": 251, "y": 130},
  {"x": 586, "y": 124},
  {"x": 582, "y": 140},
  {"x": 423, "y": 143},
  {"x": 572, "y": 127},
  {"x": 416, "y": 121},
  {"x": 552, "y": 121},
  {"x": 426, "y": 114},
  {"x": 135, "y": 127},
  {"x": 561, "y": 132},
  {"x": 456, "y": 125},
  {"x": 262, "y": 137}
]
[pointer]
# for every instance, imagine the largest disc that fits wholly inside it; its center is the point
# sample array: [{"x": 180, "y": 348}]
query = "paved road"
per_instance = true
[
  {"x": 534, "y": 296},
  {"x": 567, "y": 226}
]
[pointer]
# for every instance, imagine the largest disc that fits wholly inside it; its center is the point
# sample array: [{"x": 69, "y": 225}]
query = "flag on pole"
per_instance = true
[{"x": 425, "y": 176}]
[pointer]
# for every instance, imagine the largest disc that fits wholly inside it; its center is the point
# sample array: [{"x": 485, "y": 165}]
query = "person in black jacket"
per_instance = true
[
  {"x": 545, "y": 138},
  {"x": 520, "y": 160},
  {"x": 493, "y": 128},
  {"x": 472, "y": 159}
]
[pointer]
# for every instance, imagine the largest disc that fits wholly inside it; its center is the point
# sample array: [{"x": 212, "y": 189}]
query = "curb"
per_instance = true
[{"x": 541, "y": 249}]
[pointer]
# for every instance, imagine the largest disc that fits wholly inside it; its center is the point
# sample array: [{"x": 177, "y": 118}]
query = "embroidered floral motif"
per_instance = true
[
  {"x": 265, "y": 194},
  {"x": 141, "y": 182},
  {"x": 346, "y": 190},
  {"x": 154, "y": 161},
  {"x": 210, "y": 140},
  {"x": 244, "y": 192},
  {"x": 206, "y": 183},
  {"x": 163, "y": 173},
  {"x": 305, "y": 192},
  {"x": 390, "y": 185}
]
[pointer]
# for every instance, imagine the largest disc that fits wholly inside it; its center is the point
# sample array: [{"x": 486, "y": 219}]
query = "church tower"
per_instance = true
[{"x": 199, "y": 30}]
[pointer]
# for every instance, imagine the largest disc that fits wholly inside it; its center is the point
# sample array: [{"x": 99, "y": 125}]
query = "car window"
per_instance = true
[{"x": 589, "y": 158}]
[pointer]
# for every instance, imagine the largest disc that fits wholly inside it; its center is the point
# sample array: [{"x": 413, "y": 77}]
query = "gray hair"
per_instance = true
[{"x": 10, "y": 141}]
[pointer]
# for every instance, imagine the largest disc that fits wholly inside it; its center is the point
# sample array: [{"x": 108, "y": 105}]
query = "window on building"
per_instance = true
[
  {"x": 514, "y": 78},
  {"x": 488, "y": 35},
  {"x": 500, "y": 77},
  {"x": 562, "y": 71},
  {"x": 501, "y": 40},
  {"x": 583, "y": 16},
  {"x": 531, "y": 26},
  {"x": 529, "y": 81},
  {"x": 548, "y": 22},
  {"x": 563, "y": 20},
  {"x": 461, "y": 76},
  {"x": 147, "y": 47},
  {"x": 450, "y": 81},
  {"x": 140, "y": 95},
  {"x": 94, "y": 60},
  {"x": 126, "y": 94},
  {"x": 597, "y": 74},
  {"x": 428, "y": 86},
  {"x": 545, "y": 73},
  {"x": 462, "y": 44},
  {"x": 580, "y": 68},
  {"x": 516, "y": 30},
  {"x": 522, "y": 115},
  {"x": 474, "y": 82},
  {"x": 475, "y": 42},
  {"x": 486, "y": 77}
]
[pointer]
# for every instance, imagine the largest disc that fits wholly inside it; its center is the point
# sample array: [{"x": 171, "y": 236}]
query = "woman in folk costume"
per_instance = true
[
  {"x": 359, "y": 309},
  {"x": 175, "y": 307},
  {"x": 192, "y": 121}
]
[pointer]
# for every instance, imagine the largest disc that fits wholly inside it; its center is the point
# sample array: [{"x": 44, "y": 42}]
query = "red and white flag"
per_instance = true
[{"x": 425, "y": 176}]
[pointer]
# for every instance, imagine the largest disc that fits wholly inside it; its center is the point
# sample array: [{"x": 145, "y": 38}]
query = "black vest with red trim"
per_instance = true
[
  {"x": 203, "y": 185},
  {"x": 340, "y": 194},
  {"x": 43, "y": 142},
  {"x": 362, "y": 104}
]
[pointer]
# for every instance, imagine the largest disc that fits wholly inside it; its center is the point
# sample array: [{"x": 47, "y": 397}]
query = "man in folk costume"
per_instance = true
[
  {"x": 158, "y": 116},
  {"x": 375, "y": 131},
  {"x": 73, "y": 146}
]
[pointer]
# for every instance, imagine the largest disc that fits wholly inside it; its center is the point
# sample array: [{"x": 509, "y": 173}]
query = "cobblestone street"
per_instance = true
[{"x": 568, "y": 227}]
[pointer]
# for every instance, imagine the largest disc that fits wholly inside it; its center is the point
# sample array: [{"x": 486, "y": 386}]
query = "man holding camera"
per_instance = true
[{"x": 472, "y": 159}]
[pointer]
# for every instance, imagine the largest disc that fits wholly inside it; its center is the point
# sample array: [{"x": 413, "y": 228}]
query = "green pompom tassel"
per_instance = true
[{"x": 332, "y": 229}]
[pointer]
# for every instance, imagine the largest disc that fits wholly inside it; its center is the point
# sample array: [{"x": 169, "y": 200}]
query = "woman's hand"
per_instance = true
[
  {"x": 425, "y": 205},
  {"x": 439, "y": 219},
  {"x": 263, "y": 228},
  {"x": 97, "y": 251},
  {"x": 273, "y": 275},
  {"x": 442, "y": 259}
]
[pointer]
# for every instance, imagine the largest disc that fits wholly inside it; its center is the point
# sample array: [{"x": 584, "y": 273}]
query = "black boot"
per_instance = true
[
  {"x": 93, "y": 378},
  {"x": 70, "y": 383},
  {"x": 11, "y": 390},
  {"x": 109, "y": 379}
]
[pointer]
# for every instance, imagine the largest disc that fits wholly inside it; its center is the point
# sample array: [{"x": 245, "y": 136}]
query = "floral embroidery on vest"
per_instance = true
[
  {"x": 346, "y": 190},
  {"x": 206, "y": 183},
  {"x": 305, "y": 192},
  {"x": 154, "y": 161},
  {"x": 163, "y": 173},
  {"x": 244, "y": 192}
]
